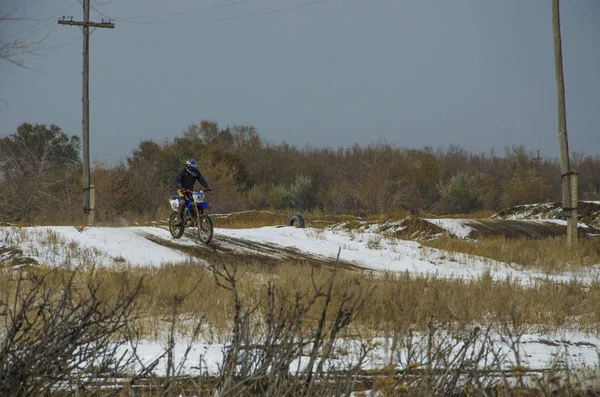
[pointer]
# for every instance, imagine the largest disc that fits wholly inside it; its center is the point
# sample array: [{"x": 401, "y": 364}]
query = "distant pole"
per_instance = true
[
  {"x": 568, "y": 176},
  {"x": 88, "y": 188},
  {"x": 85, "y": 95}
]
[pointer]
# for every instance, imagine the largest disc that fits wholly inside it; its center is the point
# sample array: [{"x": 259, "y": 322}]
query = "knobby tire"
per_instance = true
[
  {"x": 204, "y": 227},
  {"x": 176, "y": 230}
]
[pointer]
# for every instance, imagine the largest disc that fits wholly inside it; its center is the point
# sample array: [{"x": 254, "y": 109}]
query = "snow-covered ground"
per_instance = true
[
  {"x": 373, "y": 251},
  {"x": 536, "y": 351},
  {"x": 129, "y": 246},
  {"x": 104, "y": 246},
  {"x": 453, "y": 226}
]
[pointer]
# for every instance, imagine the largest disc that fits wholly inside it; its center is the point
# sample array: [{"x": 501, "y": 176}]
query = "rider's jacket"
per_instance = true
[{"x": 186, "y": 179}]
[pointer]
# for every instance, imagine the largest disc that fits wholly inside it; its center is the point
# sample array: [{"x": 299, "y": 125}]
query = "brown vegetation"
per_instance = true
[
  {"x": 548, "y": 254},
  {"x": 247, "y": 299},
  {"x": 247, "y": 173},
  {"x": 395, "y": 304},
  {"x": 270, "y": 314},
  {"x": 58, "y": 330}
]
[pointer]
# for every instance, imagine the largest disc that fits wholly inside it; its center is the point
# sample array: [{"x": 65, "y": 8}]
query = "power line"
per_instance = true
[
  {"x": 41, "y": 22},
  {"x": 100, "y": 12},
  {"x": 185, "y": 12},
  {"x": 60, "y": 47},
  {"x": 231, "y": 18},
  {"x": 36, "y": 31},
  {"x": 97, "y": 10}
]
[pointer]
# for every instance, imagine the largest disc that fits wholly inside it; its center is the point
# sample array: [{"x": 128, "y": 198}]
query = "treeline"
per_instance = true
[
  {"x": 247, "y": 173},
  {"x": 40, "y": 174}
]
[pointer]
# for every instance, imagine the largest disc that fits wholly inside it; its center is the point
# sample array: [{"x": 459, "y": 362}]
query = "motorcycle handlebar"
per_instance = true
[{"x": 191, "y": 191}]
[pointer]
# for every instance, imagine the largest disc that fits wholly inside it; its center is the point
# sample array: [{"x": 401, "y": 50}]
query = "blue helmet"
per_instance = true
[{"x": 192, "y": 166}]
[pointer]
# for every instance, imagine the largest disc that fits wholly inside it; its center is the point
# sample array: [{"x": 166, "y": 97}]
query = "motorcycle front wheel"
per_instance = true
[
  {"x": 175, "y": 227},
  {"x": 204, "y": 229}
]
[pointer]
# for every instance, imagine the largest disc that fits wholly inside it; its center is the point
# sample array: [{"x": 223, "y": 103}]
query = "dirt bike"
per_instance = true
[{"x": 194, "y": 215}]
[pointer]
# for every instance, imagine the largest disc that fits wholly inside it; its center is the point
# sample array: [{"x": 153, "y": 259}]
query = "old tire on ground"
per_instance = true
[
  {"x": 175, "y": 228},
  {"x": 296, "y": 220}
]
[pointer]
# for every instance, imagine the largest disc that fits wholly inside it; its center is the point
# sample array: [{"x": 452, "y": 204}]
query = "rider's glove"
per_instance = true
[{"x": 208, "y": 189}]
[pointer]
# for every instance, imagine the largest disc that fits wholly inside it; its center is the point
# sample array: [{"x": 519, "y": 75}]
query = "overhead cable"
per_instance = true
[
  {"x": 185, "y": 12},
  {"x": 41, "y": 22},
  {"x": 228, "y": 18}
]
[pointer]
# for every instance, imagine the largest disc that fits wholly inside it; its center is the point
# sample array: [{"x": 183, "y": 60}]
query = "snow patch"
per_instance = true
[
  {"x": 101, "y": 246},
  {"x": 453, "y": 226},
  {"x": 373, "y": 251},
  {"x": 537, "y": 351}
]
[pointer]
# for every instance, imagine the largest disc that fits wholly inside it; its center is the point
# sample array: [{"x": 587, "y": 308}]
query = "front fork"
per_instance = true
[{"x": 189, "y": 214}]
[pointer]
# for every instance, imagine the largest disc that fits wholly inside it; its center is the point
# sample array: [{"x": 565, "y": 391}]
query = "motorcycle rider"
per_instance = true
[{"x": 185, "y": 180}]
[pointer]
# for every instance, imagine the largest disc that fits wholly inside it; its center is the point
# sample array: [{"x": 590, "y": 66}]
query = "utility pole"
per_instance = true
[
  {"x": 568, "y": 176},
  {"x": 537, "y": 158},
  {"x": 88, "y": 188}
]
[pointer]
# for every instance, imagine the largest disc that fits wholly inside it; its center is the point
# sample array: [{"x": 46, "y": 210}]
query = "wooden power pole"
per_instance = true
[
  {"x": 88, "y": 188},
  {"x": 568, "y": 176}
]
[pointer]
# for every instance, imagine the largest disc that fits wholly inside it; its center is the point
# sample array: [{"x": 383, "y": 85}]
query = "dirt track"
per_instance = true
[
  {"x": 588, "y": 212},
  {"x": 418, "y": 228},
  {"x": 535, "y": 229},
  {"x": 228, "y": 249}
]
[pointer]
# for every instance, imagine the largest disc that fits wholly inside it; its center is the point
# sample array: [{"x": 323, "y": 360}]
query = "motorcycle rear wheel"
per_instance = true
[{"x": 175, "y": 227}]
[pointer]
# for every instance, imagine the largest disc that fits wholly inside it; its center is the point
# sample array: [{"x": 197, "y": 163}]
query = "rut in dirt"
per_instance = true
[{"x": 225, "y": 249}]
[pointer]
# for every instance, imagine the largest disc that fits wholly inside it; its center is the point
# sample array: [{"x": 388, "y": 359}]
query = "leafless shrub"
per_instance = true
[
  {"x": 170, "y": 383},
  {"x": 440, "y": 362},
  {"x": 284, "y": 345},
  {"x": 292, "y": 354},
  {"x": 57, "y": 331},
  {"x": 60, "y": 333},
  {"x": 480, "y": 361}
]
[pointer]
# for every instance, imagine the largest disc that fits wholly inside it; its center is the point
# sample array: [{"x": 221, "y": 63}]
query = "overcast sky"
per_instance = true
[{"x": 415, "y": 73}]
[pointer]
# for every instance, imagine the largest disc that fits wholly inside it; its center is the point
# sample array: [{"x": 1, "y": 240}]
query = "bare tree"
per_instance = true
[
  {"x": 14, "y": 46},
  {"x": 35, "y": 163}
]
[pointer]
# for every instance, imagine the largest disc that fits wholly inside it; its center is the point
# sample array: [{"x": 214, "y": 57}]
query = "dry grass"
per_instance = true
[
  {"x": 388, "y": 216},
  {"x": 316, "y": 219},
  {"x": 234, "y": 220},
  {"x": 81, "y": 221},
  {"x": 550, "y": 255},
  {"x": 395, "y": 302},
  {"x": 249, "y": 219}
]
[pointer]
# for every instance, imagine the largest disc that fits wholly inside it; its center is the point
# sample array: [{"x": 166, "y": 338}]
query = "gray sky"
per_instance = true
[{"x": 475, "y": 73}]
